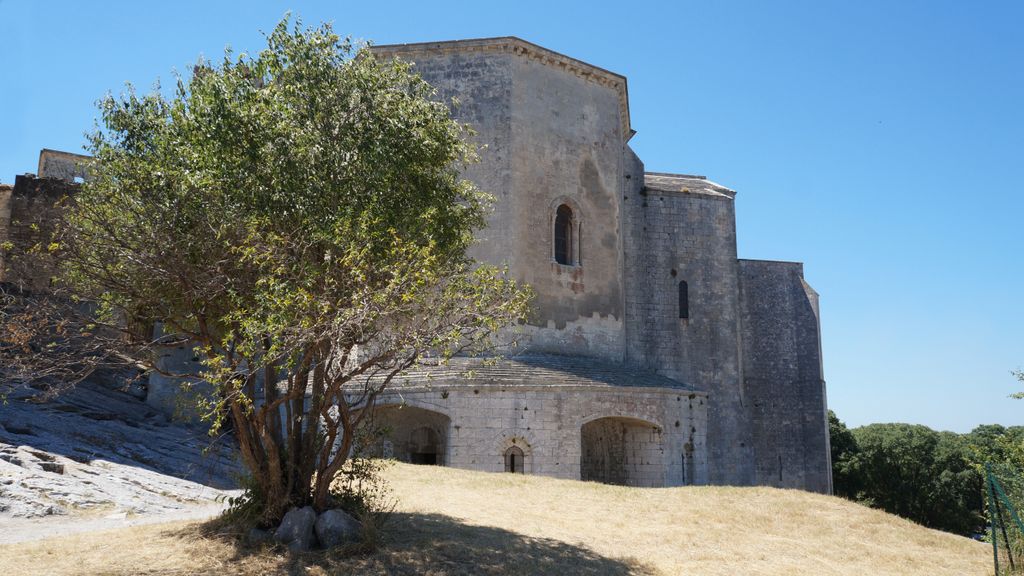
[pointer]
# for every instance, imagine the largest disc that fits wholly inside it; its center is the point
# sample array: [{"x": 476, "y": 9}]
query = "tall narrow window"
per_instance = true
[
  {"x": 563, "y": 235},
  {"x": 514, "y": 460},
  {"x": 684, "y": 300}
]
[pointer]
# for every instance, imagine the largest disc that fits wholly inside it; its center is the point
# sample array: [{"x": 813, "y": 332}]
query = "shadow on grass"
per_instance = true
[{"x": 436, "y": 545}]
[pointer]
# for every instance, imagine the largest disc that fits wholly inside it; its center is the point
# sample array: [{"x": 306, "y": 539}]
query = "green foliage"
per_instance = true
[
  {"x": 844, "y": 448},
  {"x": 1004, "y": 500},
  {"x": 299, "y": 217},
  {"x": 283, "y": 186},
  {"x": 997, "y": 445},
  {"x": 245, "y": 510},
  {"x": 913, "y": 471},
  {"x": 918, "y": 473},
  {"x": 934, "y": 478},
  {"x": 360, "y": 490}
]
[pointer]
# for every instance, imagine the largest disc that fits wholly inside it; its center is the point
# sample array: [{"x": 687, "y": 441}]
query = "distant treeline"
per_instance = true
[{"x": 933, "y": 478}]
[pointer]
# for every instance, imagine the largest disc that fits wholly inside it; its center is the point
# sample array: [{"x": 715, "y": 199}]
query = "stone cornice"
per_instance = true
[
  {"x": 662, "y": 182},
  {"x": 520, "y": 47}
]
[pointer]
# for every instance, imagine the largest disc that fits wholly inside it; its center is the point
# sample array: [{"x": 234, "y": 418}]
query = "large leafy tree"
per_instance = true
[
  {"x": 918, "y": 473},
  {"x": 299, "y": 217}
]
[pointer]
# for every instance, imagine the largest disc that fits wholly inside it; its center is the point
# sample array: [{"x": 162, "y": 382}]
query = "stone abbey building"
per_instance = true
[{"x": 654, "y": 357}]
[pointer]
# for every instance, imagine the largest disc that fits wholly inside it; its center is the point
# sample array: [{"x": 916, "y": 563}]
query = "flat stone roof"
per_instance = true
[
  {"x": 685, "y": 184},
  {"x": 535, "y": 370}
]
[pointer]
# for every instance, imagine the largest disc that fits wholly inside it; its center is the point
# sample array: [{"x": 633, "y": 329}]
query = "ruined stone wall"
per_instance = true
[
  {"x": 28, "y": 213},
  {"x": 783, "y": 379},
  {"x": 686, "y": 233},
  {"x": 169, "y": 389},
  {"x": 63, "y": 165}
]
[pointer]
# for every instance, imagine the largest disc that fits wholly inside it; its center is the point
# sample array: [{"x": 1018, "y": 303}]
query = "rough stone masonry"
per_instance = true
[{"x": 655, "y": 356}]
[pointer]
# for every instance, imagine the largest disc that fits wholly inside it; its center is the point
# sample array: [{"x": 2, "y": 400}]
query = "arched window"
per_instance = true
[
  {"x": 564, "y": 236},
  {"x": 514, "y": 460},
  {"x": 684, "y": 300}
]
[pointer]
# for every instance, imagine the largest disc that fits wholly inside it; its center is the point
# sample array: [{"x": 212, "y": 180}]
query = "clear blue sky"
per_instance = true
[{"x": 879, "y": 142}]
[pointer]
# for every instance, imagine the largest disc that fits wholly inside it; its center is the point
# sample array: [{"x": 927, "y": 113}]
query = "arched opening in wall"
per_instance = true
[
  {"x": 411, "y": 434},
  {"x": 689, "y": 466},
  {"x": 424, "y": 446},
  {"x": 515, "y": 460},
  {"x": 684, "y": 300},
  {"x": 624, "y": 451},
  {"x": 564, "y": 237}
]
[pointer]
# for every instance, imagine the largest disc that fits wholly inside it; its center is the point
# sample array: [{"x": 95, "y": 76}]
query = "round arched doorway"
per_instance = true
[
  {"x": 411, "y": 434},
  {"x": 618, "y": 450}
]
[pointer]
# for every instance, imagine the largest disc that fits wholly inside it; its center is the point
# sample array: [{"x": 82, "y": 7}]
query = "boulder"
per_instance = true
[
  {"x": 296, "y": 529},
  {"x": 257, "y": 537},
  {"x": 335, "y": 527}
]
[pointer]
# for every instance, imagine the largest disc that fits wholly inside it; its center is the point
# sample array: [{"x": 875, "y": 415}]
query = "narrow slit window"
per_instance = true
[
  {"x": 563, "y": 235},
  {"x": 684, "y": 300},
  {"x": 579, "y": 244}
]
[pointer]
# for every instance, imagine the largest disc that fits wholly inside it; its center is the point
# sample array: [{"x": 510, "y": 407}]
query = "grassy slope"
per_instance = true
[{"x": 457, "y": 522}]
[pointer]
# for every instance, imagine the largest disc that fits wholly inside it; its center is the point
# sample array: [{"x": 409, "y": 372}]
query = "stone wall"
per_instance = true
[
  {"x": 412, "y": 434},
  {"x": 6, "y": 192},
  {"x": 783, "y": 379},
  {"x": 541, "y": 405},
  {"x": 622, "y": 451},
  {"x": 63, "y": 165},
  {"x": 482, "y": 84},
  {"x": 682, "y": 229},
  {"x": 28, "y": 214},
  {"x": 546, "y": 423},
  {"x": 170, "y": 388},
  {"x": 550, "y": 130},
  {"x": 566, "y": 143}
]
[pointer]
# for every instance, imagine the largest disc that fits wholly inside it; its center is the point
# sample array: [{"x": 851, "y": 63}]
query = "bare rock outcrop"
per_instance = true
[{"x": 99, "y": 450}]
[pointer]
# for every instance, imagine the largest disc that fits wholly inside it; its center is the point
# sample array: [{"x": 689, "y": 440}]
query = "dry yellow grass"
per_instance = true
[{"x": 457, "y": 522}]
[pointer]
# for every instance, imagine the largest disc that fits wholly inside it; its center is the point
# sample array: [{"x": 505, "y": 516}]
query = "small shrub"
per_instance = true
[
  {"x": 361, "y": 490},
  {"x": 245, "y": 510}
]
